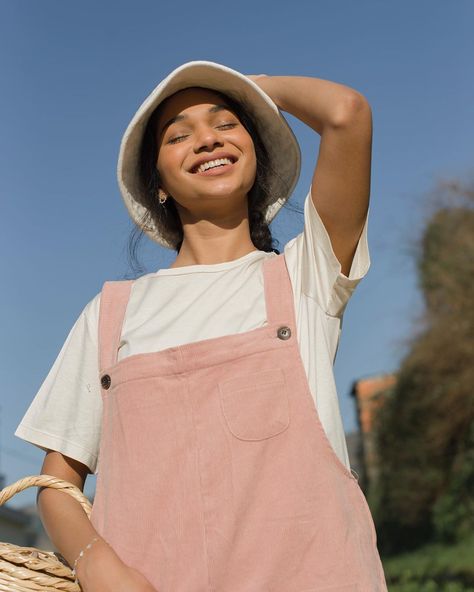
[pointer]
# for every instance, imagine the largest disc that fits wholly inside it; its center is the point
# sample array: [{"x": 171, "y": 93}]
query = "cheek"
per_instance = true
[
  {"x": 252, "y": 160},
  {"x": 166, "y": 164},
  {"x": 251, "y": 149}
]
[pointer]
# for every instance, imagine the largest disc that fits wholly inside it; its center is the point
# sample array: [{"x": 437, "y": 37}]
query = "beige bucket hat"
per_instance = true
[{"x": 276, "y": 134}]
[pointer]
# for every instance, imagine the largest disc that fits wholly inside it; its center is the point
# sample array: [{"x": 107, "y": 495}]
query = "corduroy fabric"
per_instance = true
[{"x": 215, "y": 473}]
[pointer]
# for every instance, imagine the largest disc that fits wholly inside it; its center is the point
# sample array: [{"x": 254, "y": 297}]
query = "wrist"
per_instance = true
[{"x": 99, "y": 557}]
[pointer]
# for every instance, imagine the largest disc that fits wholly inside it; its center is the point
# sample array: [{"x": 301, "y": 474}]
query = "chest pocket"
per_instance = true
[{"x": 255, "y": 405}]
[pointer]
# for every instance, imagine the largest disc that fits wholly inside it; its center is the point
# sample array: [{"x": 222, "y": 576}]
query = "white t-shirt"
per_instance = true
[{"x": 172, "y": 307}]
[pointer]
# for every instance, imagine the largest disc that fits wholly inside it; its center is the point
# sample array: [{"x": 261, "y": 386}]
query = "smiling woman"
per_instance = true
[
  {"x": 202, "y": 130},
  {"x": 203, "y": 395}
]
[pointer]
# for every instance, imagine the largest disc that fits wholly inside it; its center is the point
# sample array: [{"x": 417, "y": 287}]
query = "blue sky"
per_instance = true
[{"x": 73, "y": 75}]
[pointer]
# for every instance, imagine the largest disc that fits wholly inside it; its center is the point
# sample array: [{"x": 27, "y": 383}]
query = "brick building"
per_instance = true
[{"x": 369, "y": 394}]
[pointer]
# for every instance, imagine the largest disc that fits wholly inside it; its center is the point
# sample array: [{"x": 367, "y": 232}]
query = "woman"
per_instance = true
[{"x": 222, "y": 460}]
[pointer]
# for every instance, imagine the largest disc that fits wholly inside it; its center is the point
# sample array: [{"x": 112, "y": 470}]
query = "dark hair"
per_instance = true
[{"x": 165, "y": 216}]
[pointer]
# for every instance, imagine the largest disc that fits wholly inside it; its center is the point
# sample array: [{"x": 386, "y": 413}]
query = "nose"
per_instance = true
[{"x": 206, "y": 139}]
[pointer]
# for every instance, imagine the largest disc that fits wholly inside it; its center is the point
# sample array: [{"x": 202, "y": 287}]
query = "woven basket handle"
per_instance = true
[{"x": 46, "y": 481}]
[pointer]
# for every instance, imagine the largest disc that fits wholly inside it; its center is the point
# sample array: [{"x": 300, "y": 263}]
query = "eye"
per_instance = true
[
  {"x": 175, "y": 139},
  {"x": 227, "y": 125}
]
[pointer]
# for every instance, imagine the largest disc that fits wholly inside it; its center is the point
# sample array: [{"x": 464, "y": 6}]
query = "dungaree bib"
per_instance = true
[{"x": 215, "y": 473}]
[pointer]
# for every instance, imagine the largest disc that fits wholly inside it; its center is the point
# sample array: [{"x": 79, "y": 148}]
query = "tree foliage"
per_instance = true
[{"x": 425, "y": 430}]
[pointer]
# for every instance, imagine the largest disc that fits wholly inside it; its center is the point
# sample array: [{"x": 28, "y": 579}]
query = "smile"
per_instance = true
[{"x": 219, "y": 163}]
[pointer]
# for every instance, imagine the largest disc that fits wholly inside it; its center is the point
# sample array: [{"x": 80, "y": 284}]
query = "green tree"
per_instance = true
[{"x": 425, "y": 429}]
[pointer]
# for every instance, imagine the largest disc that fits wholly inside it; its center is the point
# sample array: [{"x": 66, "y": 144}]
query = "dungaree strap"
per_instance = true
[
  {"x": 114, "y": 299},
  {"x": 279, "y": 299},
  {"x": 113, "y": 303}
]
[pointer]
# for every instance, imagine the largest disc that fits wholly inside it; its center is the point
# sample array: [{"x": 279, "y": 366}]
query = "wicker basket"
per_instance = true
[{"x": 26, "y": 569}]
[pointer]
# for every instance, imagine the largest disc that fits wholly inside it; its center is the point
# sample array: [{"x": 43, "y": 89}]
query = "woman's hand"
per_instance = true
[
  {"x": 266, "y": 83},
  {"x": 123, "y": 579},
  {"x": 102, "y": 570},
  {"x": 134, "y": 581},
  {"x": 255, "y": 77}
]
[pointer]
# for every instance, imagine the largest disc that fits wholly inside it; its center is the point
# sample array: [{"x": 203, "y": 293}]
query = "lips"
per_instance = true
[{"x": 215, "y": 157}]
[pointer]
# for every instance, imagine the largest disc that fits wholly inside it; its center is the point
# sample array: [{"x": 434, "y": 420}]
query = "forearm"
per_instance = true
[
  {"x": 66, "y": 523},
  {"x": 316, "y": 102},
  {"x": 100, "y": 569},
  {"x": 70, "y": 530}
]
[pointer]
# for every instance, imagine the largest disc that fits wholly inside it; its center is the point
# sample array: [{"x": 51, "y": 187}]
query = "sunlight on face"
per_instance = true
[{"x": 205, "y": 153}]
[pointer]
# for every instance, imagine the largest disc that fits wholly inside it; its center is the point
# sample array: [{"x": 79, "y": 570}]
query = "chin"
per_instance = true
[{"x": 225, "y": 190}]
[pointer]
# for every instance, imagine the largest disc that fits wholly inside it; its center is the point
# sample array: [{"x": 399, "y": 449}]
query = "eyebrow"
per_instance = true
[{"x": 213, "y": 109}]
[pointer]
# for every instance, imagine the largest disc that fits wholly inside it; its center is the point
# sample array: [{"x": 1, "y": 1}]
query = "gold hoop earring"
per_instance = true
[{"x": 162, "y": 197}]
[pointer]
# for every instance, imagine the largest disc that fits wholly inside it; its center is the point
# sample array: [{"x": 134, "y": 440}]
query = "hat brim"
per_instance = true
[{"x": 275, "y": 133}]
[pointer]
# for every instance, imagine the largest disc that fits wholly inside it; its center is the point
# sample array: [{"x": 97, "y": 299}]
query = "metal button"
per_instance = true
[
  {"x": 105, "y": 381},
  {"x": 284, "y": 333}
]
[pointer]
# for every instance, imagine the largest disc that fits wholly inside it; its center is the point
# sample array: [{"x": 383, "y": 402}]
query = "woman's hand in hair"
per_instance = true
[
  {"x": 265, "y": 83},
  {"x": 255, "y": 77}
]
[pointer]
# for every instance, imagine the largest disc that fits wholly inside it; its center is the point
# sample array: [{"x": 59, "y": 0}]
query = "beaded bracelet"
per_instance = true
[{"x": 81, "y": 555}]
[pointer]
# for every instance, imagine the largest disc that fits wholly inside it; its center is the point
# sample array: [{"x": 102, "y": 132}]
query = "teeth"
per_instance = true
[{"x": 213, "y": 163}]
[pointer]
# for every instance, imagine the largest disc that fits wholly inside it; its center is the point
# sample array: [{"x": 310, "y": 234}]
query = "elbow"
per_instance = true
[{"x": 352, "y": 109}]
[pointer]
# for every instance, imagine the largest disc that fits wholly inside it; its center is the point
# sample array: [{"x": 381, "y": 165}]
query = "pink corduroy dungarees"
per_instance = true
[{"x": 215, "y": 473}]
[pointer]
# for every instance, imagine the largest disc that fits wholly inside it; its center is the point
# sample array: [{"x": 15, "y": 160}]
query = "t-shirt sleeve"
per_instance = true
[
  {"x": 66, "y": 413},
  {"x": 316, "y": 268}
]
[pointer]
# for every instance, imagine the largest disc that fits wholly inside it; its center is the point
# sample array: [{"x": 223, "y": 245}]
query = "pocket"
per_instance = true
[{"x": 256, "y": 405}]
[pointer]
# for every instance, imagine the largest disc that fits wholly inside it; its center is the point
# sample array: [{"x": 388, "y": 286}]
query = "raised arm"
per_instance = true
[{"x": 341, "y": 181}]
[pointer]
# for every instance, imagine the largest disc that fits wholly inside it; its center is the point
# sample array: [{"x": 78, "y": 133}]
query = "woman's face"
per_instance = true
[{"x": 206, "y": 157}]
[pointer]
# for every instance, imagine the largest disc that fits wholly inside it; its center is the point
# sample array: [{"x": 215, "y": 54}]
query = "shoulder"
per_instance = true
[
  {"x": 90, "y": 312},
  {"x": 314, "y": 267}
]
